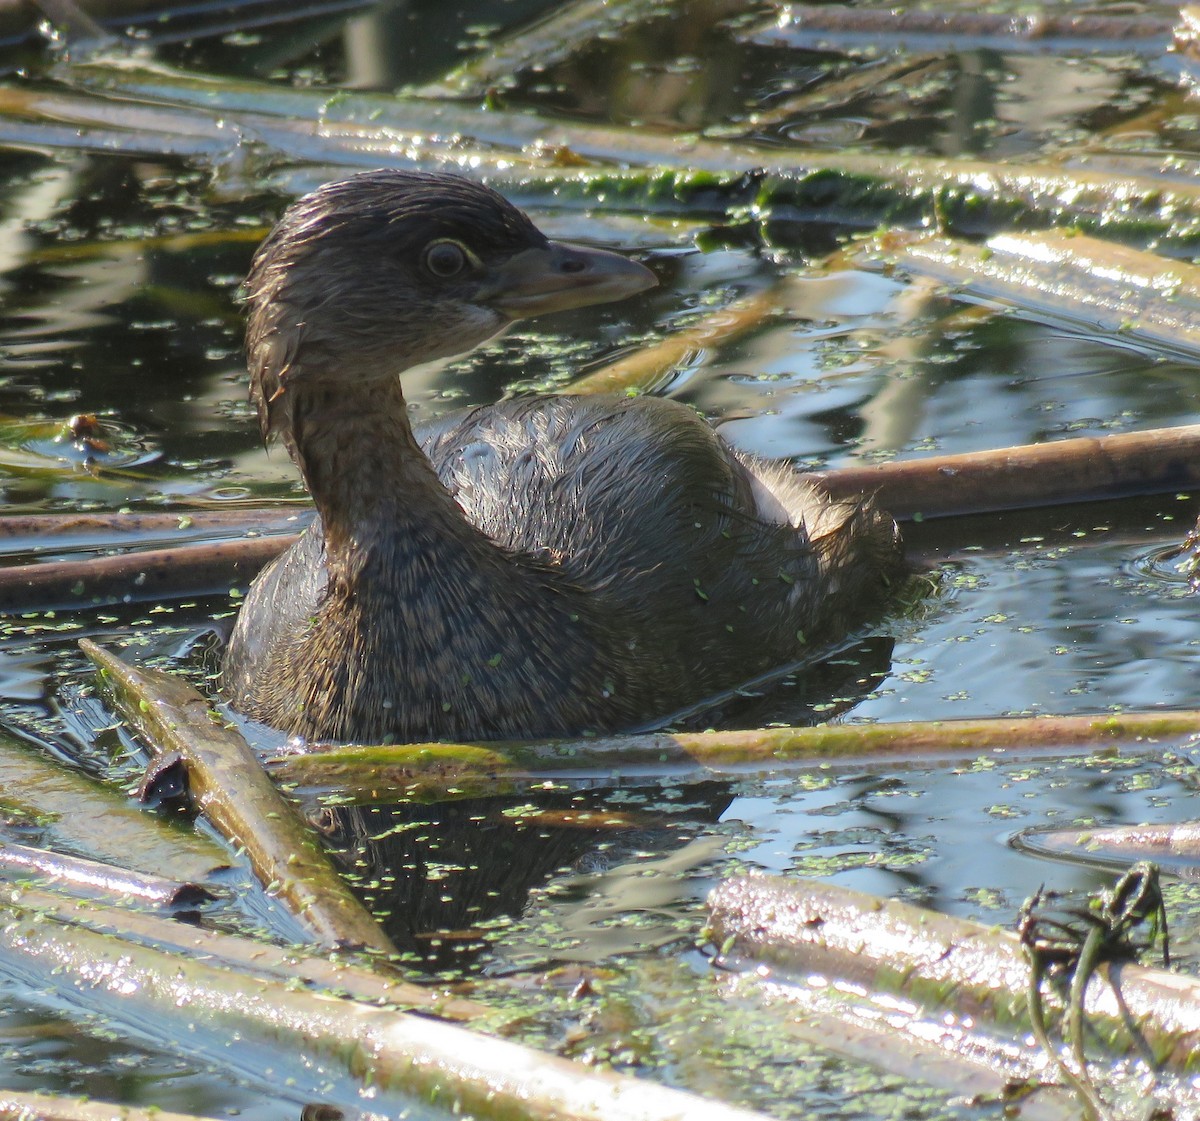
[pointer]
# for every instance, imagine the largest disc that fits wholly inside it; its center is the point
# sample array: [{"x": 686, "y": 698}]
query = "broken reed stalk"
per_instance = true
[
  {"x": 562, "y": 32},
  {"x": 529, "y": 156},
  {"x": 646, "y": 369},
  {"x": 144, "y": 127},
  {"x": 330, "y": 1048},
  {"x": 889, "y": 78},
  {"x": 134, "y": 248},
  {"x": 55, "y": 530},
  {"x": 883, "y": 29},
  {"x": 17, "y": 1105},
  {"x": 63, "y": 805},
  {"x": 92, "y": 877},
  {"x": 373, "y": 985},
  {"x": 1175, "y": 847},
  {"x": 1110, "y": 288},
  {"x": 458, "y": 770},
  {"x": 148, "y": 574},
  {"x": 965, "y": 1061},
  {"x": 142, "y": 23},
  {"x": 232, "y": 790},
  {"x": 1081, "y": 469},
  {"x": 946, "y": 964},
  {"x": 77, "y": 28}
]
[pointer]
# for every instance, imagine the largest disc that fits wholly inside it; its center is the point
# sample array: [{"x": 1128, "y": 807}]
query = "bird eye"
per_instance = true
[{"x": 445, "y": 258}]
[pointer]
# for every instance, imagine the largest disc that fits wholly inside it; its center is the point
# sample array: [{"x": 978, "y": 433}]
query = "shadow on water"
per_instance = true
[{"x": 440, "y": 876}]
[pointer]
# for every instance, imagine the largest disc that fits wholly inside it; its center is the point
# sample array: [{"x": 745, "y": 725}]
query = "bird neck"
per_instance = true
[{"x": 368, "y": 477}]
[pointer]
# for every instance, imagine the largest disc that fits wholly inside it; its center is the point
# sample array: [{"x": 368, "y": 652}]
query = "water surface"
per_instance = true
[{"x": 118, "y": 281}]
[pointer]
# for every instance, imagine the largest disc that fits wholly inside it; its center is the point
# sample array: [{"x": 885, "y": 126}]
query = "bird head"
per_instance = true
[{"x": 370, "y": 275}]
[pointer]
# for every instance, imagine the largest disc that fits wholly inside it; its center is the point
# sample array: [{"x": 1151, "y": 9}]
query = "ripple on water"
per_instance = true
[
  {"x": 81, "y": 442},
  {"x": 1175, "y": 566}
]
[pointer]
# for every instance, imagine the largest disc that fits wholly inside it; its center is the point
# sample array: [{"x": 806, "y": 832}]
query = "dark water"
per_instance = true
[{"x": 117, "y": 297}]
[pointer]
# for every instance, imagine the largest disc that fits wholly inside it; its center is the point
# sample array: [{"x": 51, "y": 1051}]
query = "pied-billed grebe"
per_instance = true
[{"x": 542, "y": 566}]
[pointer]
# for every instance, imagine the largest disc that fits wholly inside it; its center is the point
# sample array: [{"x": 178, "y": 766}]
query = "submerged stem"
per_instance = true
[{"x": 231, "y": 789}]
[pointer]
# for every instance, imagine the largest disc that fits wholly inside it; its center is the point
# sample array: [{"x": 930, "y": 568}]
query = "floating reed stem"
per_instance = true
[
  {"x": 333, "y": 1049},
  {"x": 965, "y": 1061},
  {"x": 1110, "y": 288},
  {"x": 946, "y": 964},
  {"x": 1037, "y": 29},
  {"x": 372, "y": 985},
  {"x": 1175, "y": 848},
  {"x": 431, "y": 771},
  {"x": 561, "y": 33},
  {"x": 1081, "y": 469},
  {"x": 16, "y": 1105},
  {"x": 234, "y": 793},
  {"x": 147, "y": 574},
  {"x": 523, "y": 154},
  {"x": 94, "y": 878},
  {"x": 57, "y": 530},
  {"x": 141, "y": 23},
  {"x": 646, "y": 369},
  {"x": 64, "y": 805}
]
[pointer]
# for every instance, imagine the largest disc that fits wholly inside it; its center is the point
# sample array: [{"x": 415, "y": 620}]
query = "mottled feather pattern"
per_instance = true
[{"x": 552, "y": 481}]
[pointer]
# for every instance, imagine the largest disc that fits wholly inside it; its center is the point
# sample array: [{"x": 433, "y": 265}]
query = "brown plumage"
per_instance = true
[{"x": 543, "y": 566}]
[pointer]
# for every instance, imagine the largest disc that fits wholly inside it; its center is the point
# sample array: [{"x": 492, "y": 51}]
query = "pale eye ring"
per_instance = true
[{"x": 445, "y": 258}]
